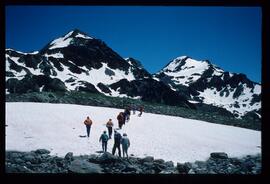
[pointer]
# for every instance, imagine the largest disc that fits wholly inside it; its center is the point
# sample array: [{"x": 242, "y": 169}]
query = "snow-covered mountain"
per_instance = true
[
  {"x": 80, "y": 62},
  {"x": 77, "y": 61},
  {"x": 203, "y": 82},
  {"x": 163, "y": 137}
]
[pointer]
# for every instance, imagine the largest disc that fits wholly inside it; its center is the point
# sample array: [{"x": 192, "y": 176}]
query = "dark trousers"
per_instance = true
[
  {"x": 110, "y": 131},
  {"x": 125, "y": 150},
  {"x": 120, "y": 124},
  {"x": 104, "y": 146},
  {"x": 127, "y": 117},
  {"x": 88, "y": 127},
  {"x": 114, "y": 148}
]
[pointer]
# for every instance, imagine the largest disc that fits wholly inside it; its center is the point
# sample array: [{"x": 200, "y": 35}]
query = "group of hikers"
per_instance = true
[{"x": 119, "y": 140}]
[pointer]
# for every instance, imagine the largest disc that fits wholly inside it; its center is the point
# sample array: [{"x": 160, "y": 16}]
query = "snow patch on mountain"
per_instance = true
[
  {"x": 57, "y": 127},
  {"x": 116, "y": 93},
  {"x": 93, "y": 76},
  {"x": 79, "y": 35},
  {"x": 61, "y": 42},
  {"x": 55, "y": 55},
  {"x": 19, "y": 75},
  {"x": 35, "y": 52},
  {"x": 240, "y": 105}
]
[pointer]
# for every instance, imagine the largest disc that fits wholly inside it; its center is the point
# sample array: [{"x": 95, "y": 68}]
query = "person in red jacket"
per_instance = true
[
  {"x": 120, "y": 119},
  {"x": 109, "y": 125},
  {"x": 88, "y": 123}
]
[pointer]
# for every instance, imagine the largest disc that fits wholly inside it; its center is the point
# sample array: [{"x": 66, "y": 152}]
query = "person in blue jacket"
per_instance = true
[
  {"x": 125, "y": 144},
  {"x": 104, "y": 138}
]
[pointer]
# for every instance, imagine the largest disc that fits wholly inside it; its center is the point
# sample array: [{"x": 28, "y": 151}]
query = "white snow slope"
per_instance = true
[{"x": 57, "y": 127}]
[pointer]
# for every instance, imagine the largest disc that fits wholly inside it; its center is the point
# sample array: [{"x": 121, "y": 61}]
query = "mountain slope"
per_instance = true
[
  {"x": 166, "y": 137},
  {"x": 79, "y": 62},
  {"x": 203, "y": 82}
]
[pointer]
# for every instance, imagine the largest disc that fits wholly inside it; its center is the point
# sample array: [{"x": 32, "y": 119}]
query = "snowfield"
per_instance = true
[{"x": 57, "y": 127}]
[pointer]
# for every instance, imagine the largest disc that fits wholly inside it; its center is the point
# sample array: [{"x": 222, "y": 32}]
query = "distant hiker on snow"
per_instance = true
[
  {"x": 125, "y": 144},
  {"x": 134, "y": 109},
  {"x": 109, "y": 125},
  {"x": 120, "y": 119},
  {"x": 88, "y": 124},
  {"x": 141, "y": 110},
  {"x": 104, "y": 138},
  {"x": 117, "y": 142},
  {"x": 127, "y": 114}
]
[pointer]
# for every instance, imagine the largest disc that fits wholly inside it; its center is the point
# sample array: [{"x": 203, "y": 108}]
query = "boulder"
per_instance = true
[
  {"x": 30, "y": 157},
  {"x": 219, "y": 155},
  {"x": 18, "y": 169},
  {"x": 93, "y": 158},
  {"x": 148, "y": 159},
  {"x": 183, "y": 168},
  {"x": 191, "y": 171},
  {"x": 42, "y": 151},
  {"x": 130, "y": 168},
  {"x": 160, "y": 161},
  {"x": 83, "y": 166},
  {"x": 169, "y": 164},
  {"x": 18, "y": 161},
  {"x": 107, "y": 158},
  {"x": 69, "y": 156},
  {"x": 14, "y": 155}
]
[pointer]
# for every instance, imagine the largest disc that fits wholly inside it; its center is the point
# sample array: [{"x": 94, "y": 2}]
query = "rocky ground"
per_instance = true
[{"x": 39, "y": 161}]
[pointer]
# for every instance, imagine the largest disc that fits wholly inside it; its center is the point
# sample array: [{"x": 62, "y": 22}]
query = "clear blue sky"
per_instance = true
[{"x": 229, "y": 37}]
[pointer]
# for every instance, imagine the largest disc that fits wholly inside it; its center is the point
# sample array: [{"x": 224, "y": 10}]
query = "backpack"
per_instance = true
[
  {"x": 117, "y": 137},
  {"x": 104, "y": 137}
]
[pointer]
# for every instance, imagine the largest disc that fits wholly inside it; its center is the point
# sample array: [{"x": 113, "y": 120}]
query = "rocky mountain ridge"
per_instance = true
[
  {"x": 204, "y": 82},
  {"x": 78, "y": 62}
]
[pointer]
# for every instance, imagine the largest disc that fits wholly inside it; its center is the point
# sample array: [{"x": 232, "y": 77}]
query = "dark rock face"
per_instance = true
[
  {"x": 40, "y": 162},
  {"x": 104, "y": 88},
  {"x": 88, "y": 87},
  {"x": 33, "y": 83},
  {"x": 151, "y": 91}
]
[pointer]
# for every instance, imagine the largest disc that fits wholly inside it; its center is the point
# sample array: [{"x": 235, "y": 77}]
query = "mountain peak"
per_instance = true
[
  {"x": 77, "y": 33},
  {"x": 66, "y": 40},
  {"x": 183, "y": 62}
]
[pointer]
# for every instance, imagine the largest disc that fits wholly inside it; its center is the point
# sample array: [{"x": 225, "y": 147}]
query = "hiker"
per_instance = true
[
  {"x": 88, "y": 124},
  {"x": 141, "y": 110},
  {"x": 127, "y": 114},
  {"x": 134, "y": 109},
  {"x": 104, "y": 138},
  {"x": 125, "y": 144},
  {"x": 120, "y": 119},
  {"x": 109, "y": 125},
  {"x": 117, "y": 142}
]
